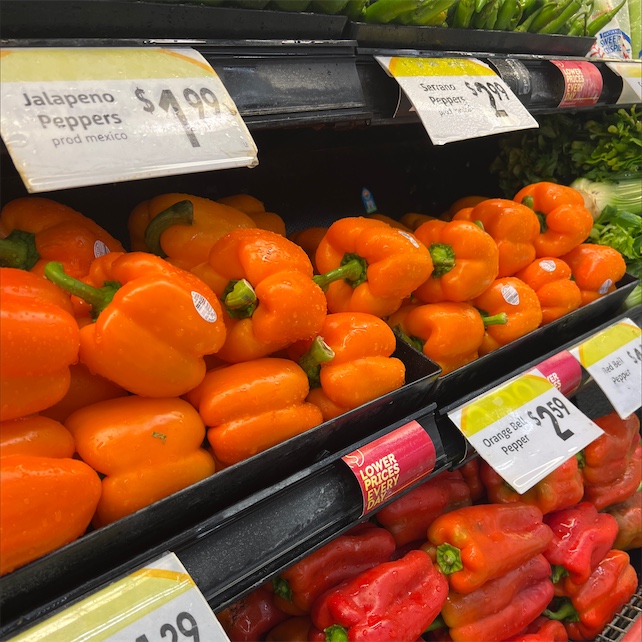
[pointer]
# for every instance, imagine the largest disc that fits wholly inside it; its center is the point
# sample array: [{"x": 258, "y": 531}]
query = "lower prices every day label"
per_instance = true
[
  {"x": 158, "y": 603},
  {"x": 525, "y": 429},
  {"x": 88, "y": 116},
  {"x": 391, "y": 463},
  {"x": 458, "y": 98}
]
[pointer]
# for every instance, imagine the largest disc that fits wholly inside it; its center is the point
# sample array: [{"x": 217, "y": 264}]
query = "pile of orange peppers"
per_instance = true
[{"x": 217, "y": 337}]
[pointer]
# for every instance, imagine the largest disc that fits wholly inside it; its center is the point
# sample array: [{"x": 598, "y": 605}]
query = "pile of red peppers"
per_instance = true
[{"x": 463, "y": 557}]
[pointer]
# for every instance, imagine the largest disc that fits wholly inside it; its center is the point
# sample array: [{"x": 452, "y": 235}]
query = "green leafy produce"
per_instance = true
[
  {"x": 622, "y": 231},
  {"x": 568, "y": 147},
  {"x": 622, "y": 192}
]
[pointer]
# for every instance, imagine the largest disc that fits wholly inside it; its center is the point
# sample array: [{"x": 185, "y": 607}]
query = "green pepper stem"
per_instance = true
[
  {"x": 566, "y": 611},
  {"x": 495, "y": 319},
  {"x": 318, "y": 353},
  {"x": 581, "y": 459},
  {"x": 18, "y": 250},
  {"x": 449, "y": 558},
  {"x": 558, "y": 573},
  {"x": 414, "y": 342},
  {"x": 181, "y": 213},
  {"x": 98, "y": 298},
  {"x": 443, "y": 259},
  {"x": 240, "y": 298},
  {"x": 336, "y": 633},
  {"x": 353, "y": 271},
  {"x": 282, "y": 588}
]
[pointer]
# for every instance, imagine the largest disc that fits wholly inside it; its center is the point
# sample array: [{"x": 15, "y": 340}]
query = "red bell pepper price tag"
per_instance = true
[
  {"x": 582, "y": 83},
  {"x": 111, "y": 114},
  {"x": 525, "y": 428},
  {"x": 391, "y": 463},
  {"x": 155, "y": 603},
  {"x": 613, "y": 357}
]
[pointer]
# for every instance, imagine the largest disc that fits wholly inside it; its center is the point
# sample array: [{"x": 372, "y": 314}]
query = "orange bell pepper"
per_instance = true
[
  {"x": 413, "y": 220},
  {"x": 550, "y": 278},
  {"x": 85, "y": 388},
  {"x": 269, "y": 297},
  {"x": 309, "y": 240},
  {"x": 256, "y": 211},
  {"x": 465, "y": 261},
  {"x": 564, "y": 221},
  {"x": 46, "y": 502},
  {"x": 521, "y": 306},
  {"x": 350, "y": 362},
  {"x": 390, "y": 221},
  {"x": 154, "y": 324},
  {"x": 596, "y": 269},
  {"x": 514, "y": 228},
  {"x": 560, "y": 489},
  {"x": 35, "y": 230},
  {"x": 239, "y": 428},
  {"x": 450, "y": 333},
  {"x": 146, "y": 448},
  {"x": 181, "y": 227},
  {"x": 368, "y": 266},
  {"x": 39, "y": 340},
  {"x": 465, "y": 201},
  {"x": 37, "y": 436}
]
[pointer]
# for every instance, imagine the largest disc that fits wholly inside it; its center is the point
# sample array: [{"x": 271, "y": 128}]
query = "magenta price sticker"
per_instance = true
[
  {"x": 582, "y": 83},
  {"x": 391, "y": 463}
]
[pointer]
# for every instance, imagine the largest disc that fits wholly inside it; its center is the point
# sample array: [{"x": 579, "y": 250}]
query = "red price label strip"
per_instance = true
[
  {"x": 582, "y": 83},
  {"x": 391, "y": 463}
]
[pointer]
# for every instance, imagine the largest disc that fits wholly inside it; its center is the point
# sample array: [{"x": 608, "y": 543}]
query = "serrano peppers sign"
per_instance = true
[{"x": 86, "y": 116}]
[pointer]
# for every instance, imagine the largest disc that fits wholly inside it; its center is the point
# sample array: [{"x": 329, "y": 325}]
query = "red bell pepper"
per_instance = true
[
  {"x": 501, "y": 607},
  {"x": 393, "y": 601},
  {"x": 605, "y": 459},
  {"x": 470, "y": 473},
  {"x": 585, "y": 609},
  {"x": 581, "y": 539},
  {"x": 409, "y": 517},
  {"x": 561, "y": 488},
  {"x": 294, "y": 629},
  {"x": 605, "y": 495},
  {"x": 361, "y": 548},
  {"x": 628, "y": 515},
  {"x": 479, "y": 543},
  {"x": 541, "y": 630},
  {"x": 247, "y": 619}
]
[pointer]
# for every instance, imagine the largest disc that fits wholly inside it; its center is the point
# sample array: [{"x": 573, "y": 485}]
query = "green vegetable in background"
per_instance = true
[
  {"x": 621, "y": 192},
  {"x": 565, "y": 147}
]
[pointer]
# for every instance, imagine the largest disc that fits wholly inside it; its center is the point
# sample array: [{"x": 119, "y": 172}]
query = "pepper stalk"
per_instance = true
[
  {"x": 18, "y": 250},
  {"x": 98, "y": 298},
  {"x": 181, "y": 213}
]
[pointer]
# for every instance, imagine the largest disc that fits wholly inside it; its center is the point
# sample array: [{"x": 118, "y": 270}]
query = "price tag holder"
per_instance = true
[
  {"x": 388, "y": 465},
  {"x": 89, "y": 116},
  {"x": 631, "y": 74},
  {"x": 613, "y": 357},
  {"x": 458, "y": 98},
  {"x": 582, "y": 83},
  {"x": 525, "y": 429},
  {"x": 157, "y": 603}
]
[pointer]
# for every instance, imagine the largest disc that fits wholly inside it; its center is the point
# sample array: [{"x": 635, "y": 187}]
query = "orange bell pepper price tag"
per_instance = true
[
  {"x": 158, "y": 601},
  {"x": 391, "y": 463},
  {"x": 613, "y": 357},
  {"x": 525, "y": 428}
]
